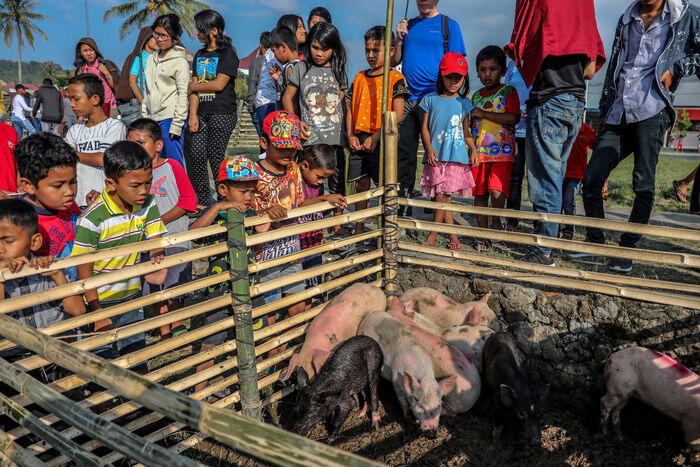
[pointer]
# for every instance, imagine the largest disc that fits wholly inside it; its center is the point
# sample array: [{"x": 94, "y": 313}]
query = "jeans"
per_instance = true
[
  {"x": 409, "y": 132},
  {"x": 22, "y": 125},
  {"x": 172, "y": 147},
  {"x": 695, "y": 195},
  {"x": 262, "y": 112},
  {"x": 54, "y": 128},
  {"x": 570, "y": 190},
  {"x": 551, "y": 131},
  {"x": 128, "y": 344},
  {"x": 516, "y": 180},
  {"x": 644, "y": 139}
]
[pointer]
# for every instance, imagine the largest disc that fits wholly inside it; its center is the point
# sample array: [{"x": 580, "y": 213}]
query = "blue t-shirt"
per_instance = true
[
  {"x": 514, "y": 78},
  {"x": 445, "y": 123},
  {"x": 422, "y": 51},
  {"x": 138, "y": 66}
]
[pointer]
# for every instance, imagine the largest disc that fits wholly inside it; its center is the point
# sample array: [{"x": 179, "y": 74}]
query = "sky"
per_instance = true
[{"x": 245, "y": 20}]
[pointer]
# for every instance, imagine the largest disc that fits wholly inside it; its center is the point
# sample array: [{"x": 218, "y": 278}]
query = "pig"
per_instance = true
[
  {"x": 516, "y": 401},
  {"x": 337, "y": 322},
  {"x": 447, "y": 313},
  {"x": 448, "y": 361},
  {"x": 355, "y": 366},
  {"x": 470, "y": 340},
  {"x": 657, "y": 380},
  {"x": 409, "y": 369}
]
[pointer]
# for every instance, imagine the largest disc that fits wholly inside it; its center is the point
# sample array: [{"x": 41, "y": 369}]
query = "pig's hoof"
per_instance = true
[
  {"x": 364, "y": 409},
  {"x": 375, "y": 420}
]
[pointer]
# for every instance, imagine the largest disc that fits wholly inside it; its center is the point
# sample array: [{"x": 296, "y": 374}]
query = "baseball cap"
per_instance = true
[
  {"x": 283, "y": 129},
  {"x": 237, "y": 169},
  {"x": 453, "y": 62}
]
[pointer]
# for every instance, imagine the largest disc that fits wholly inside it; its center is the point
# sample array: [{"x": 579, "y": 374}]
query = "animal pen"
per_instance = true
[{"x": 148, "y": 419}]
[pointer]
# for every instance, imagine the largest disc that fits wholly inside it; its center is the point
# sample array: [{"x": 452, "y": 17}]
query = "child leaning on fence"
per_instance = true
[{"x": 123, "y": 214}]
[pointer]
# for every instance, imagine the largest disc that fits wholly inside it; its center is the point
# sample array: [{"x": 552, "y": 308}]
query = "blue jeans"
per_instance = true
[
  {"x": 262, "y": 112},
  {"x": 21, "y": 125},
  {"x": 570, "y": 190},
  {"x": 172, "y": 147},
  {"x": 128, "y": 344},
  {"x": 551, "y": 131}
]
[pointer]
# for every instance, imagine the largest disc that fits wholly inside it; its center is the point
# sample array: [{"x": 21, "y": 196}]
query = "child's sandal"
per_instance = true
[
  {"x": 181, "y": 329},
  {"x": 428, "y": 244},
  {"x": 482, "y": 246},
  {"x": 454, "y": 246}
]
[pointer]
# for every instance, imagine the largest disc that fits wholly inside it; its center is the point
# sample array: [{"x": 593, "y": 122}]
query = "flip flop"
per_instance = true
[
  {"x": 428, "y": 244},
  {"x": 679, "y": 195},
  {"x": 181, "y": 329},
  {"x": 454, "y": 246}
]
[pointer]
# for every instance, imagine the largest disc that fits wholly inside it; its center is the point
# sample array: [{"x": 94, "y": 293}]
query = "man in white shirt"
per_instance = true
[{"x": 19, "y": 117}]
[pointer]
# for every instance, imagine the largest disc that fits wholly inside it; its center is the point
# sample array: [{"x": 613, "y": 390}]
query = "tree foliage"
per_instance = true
[
  {"x": 683, "y": 123},
  {"x": 139, "y": 13},
  {"x": 17, "y": 18}
]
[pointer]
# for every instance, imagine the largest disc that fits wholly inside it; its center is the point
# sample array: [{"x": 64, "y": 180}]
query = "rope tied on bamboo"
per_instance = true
[{"x": 391, "y": 234}]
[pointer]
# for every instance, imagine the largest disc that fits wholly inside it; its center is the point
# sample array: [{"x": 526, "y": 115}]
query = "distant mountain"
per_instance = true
[{"x": 31, "y": 71}]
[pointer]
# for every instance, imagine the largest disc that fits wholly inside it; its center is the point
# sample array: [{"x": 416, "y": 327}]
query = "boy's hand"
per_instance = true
[
  {"x": 226, "y": 205},
  {"x": 276, "y": 212},
  {"x": 336, "y": 200},
  {"x": 103, "y": 325},
  {"x": 667, "y": 80},
  {"x": 432, "y": 157},
  {"x": 475, "y": 161},
  {"x": 354, "y": 143},
  {"x": 477, "y": 113},
  {"x": 193, "y": 123},
  {"x": 305, "y": 131},
  {"x": 41, "y": 262},
  {"x": 91, "y": 197},
  {"x": 157, "y": 255},
  {"x": 275, "y": 72},
  {"x": 14, "y": 264}
]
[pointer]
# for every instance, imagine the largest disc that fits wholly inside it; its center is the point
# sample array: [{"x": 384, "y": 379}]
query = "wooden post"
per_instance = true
[
  {"x": 391, "y": 202},
  {"x": 242, "y": 315}
]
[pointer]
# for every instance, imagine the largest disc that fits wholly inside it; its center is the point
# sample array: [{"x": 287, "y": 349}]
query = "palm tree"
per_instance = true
[
  {"x": 17, "y": 19},
  {"x": 137, "y": 17}
]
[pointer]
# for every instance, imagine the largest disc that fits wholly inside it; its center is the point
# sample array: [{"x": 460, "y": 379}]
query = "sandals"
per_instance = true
[
  {"x": 181, "y": 329},
  {"x": 678, "y": 193},
  {"x": 482, "y": 246},
  {"x": 428, "y": 244},
  {"x": 454, "y": 246}
]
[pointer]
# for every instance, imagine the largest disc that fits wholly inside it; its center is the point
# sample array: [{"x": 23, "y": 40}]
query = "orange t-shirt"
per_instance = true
[{"x": 366, "y": 96}]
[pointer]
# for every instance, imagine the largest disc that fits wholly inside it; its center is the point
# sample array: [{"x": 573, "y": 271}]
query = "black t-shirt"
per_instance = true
[
  {"x": 206, "y": 66},
  {"x": 559, "y": 75}
]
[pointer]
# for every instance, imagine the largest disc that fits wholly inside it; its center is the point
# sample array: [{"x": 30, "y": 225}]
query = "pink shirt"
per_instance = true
[{"x": 109, "y": 94}]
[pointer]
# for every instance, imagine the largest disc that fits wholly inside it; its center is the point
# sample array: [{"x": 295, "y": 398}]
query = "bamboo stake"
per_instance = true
[
  {"x": 659, "y": 257},
  {"x": 641, "y": 229},
  {"x": 391, "y": 135},
  {"x": 6, "y": 461},
  {"x": 683, "y": 301},
  {"x": 16, "y": 453},
  {"x": 262, "y": 441}
]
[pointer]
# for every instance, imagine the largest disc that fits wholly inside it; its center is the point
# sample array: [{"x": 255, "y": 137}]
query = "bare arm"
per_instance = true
[
  {"x": 134, "y": 86},
  {"x": 85, "y": 272},
  {"x": 193, "y": 121},
  {"x": 92, "y": 158},
  {"x": 175, "y": 213},
  {"x": 290, "y": 95},
  {"x": 74, "y": 304},
  {"x": 210, "y": 86},
  {"x": 506, "y": 119}
]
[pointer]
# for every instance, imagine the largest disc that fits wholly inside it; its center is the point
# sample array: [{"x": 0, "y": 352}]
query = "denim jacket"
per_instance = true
[{"x": 681, "y": 55}]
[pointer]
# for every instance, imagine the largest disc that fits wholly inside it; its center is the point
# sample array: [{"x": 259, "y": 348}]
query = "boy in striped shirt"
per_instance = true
[{"x": 123, "y": 214}]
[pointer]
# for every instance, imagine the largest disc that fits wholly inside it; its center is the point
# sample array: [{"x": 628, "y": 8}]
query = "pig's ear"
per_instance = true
[
  {"x": 302, "y": 378},
  {"x": 485, "y": 298},
  {"x": 448, "y": 384},
  {"x": 409, "y": 383},
  {"x": 473, "y": 317},
  {"x": 508, "y": 395},
  {"x": 409, "y": 306}
]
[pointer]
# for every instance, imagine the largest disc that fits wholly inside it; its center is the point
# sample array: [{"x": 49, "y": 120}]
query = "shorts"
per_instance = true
[
  {"x": 492, "y": 176},
  {"x": 311, "y": 262},
  {"x": 279, "y": 272},
  {"x": 177, "y": 275},
  {"x": 364, "y": 164}
]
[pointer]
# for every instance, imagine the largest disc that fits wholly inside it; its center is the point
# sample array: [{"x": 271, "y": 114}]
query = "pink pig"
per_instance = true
[
  {"x": 657, "y": 380},
  {"x": 447, "y": 313},
  {"x": 337, "y": 323}
]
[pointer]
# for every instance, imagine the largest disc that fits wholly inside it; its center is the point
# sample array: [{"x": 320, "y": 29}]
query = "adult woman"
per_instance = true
[
  {"x": 129, "y": 92},
  {"x": 165, "y": 85},
  {"x": 318, "y": 15},
  {"x": 212, "y": 102},
  {"x": 296, "y": 24},
  {"x": 88, "y": 59}
]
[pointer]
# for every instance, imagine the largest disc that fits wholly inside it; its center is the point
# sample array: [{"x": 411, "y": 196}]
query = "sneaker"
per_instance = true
[
  {"x": 620, "y": 265},
  {"x": 538, "y": 258}
]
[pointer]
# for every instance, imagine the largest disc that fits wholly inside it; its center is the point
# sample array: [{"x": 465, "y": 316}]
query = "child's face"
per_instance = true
[
  {"x": 88, "y": 53},
  {"x": 281, "y": 53},
  {"x": 81, "y": 104},
  {"x": 490, "y": 73},
  {"x": 315, "y": 19},
  {"x": 142, "y": 138},
  {"x": 314, "y": 176},
  {"x": 453, "y": 82},
  {"x": 132, "y": 187},
  {"x": 56, "y": 191},
  {"x": 321, "y": 55},
  {"x": 374, "y": 53},
  {"x": 278, "y": 156},
  {"x": 301, "y": 31},
  {"x": 15, "y": 241},
  {"x": 238, "y": 192}
]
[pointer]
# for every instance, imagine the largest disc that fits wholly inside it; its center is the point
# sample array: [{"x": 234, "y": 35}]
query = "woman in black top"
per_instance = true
[{"x": 213, "y": 114}]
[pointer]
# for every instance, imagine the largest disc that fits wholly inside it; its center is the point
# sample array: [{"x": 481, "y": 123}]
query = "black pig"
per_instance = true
[
  {"x": 355, "y": 365},
  {"x": 518, "y": 404}
]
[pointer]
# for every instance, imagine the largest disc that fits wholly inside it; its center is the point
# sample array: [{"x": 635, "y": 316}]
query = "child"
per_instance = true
[
  {"x": 317, "y": 83},
  {"x": 364, "y": 116},
  {"x": 575, "y": 168},
  {"x": 496, "y": 112},
  {"x": 284, "y": 45},
  {"x": 47, "y": 171},
  {"x": 20, "y": 239},
  {"x": 123, "y": 214},
  {"x": 446, "y": 138},
  {"x": 174, "y": 197},
  {"x": 8, "y": 165},
  {"x": 317, "y": 164},
  {"x": 92, "y": 138}
]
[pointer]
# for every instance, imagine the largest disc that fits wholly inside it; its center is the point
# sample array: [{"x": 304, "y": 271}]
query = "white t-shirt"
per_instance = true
[
  {"x": 19, "y": 106},
  {"x": 90, "y": 140}
]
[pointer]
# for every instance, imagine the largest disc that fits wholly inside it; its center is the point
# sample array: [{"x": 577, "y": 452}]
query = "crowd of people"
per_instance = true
[{"x": 135, "y": 164}]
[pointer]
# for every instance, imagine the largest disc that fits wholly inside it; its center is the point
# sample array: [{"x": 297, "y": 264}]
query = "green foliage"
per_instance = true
[
  {"x": 140, "y": 13},
  {"x": 33, "y": 72},
  {"x": 241, "y": 86},
  {"x": 683, "y": 123},
  {"x": 17, "y": 20}
]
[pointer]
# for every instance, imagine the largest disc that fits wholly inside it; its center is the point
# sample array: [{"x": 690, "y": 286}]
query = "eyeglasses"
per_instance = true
[{"x": 158, "y": 35}]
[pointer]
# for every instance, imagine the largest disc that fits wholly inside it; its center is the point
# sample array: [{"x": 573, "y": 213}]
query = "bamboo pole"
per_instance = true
[
  {"x": 262, "y": 441},
  {"x": 240, "y": 301},
  {"x": 391, "y": 207},
  {"x": 108, "y": 433},
  {"x": 641, "y": 229},
  {"x": 16, "y": 453},
  {"x": 566, "y": 272},
  {"x": 659, "y": 257},
  {"x": 683, "y": 301},
  {"x": 6, "y": 461}
]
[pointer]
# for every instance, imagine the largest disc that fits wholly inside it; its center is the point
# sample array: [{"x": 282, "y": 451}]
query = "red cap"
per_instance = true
[{"x": 453, "y": 62}]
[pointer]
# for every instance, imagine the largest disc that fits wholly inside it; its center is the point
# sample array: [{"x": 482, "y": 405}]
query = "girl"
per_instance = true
[
  {"x": 167, "y": 75},
  {"x": 88, "y": 59},
  {"x": 446, "y": 136},
  {"x": 295, "y": 24},
  {"x": 321, "y": 78},
  {"x": 212, "y": 102}
]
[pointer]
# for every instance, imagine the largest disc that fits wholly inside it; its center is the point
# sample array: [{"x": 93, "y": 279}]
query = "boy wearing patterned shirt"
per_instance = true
[{"x": 123, "y": 214}]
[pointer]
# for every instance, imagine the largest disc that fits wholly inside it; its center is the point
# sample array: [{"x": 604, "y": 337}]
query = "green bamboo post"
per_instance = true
[
  {"x": 62, "y": 444},
  {"x": 242, "y": 315},
  {"x": 16, "y": 454}
]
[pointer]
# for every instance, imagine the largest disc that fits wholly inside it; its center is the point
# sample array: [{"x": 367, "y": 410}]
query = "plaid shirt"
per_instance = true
[{"x": 314, "y": 238}]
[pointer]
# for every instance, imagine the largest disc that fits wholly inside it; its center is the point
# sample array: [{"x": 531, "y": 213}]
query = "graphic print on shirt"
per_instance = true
[
  {"x": 323, "y": 100},
  {"x": 157, "y": 188},
  {"x": 494, "y": 142},
  {"x": 206, "y": 71},
  {"x": 454, "y": 134}
]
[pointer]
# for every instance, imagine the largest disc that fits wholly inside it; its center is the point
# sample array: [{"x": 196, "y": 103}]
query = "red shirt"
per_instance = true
[
  {"x": 8, "y": 165},
  {"x": 578, "y": 159},
  {"x": 57, "y": 229}
]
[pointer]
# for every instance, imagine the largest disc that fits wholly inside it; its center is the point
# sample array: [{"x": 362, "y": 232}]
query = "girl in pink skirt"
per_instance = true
[{"x": 446, "y": 136}]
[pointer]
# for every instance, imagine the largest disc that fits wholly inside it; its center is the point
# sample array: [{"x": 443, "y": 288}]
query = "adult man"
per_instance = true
[
  {"x": 254, "y": 76},
  {"x": 655, "y": 45},
  {"x": 19, "y": 109},
  {"x": 514, "y": 78},
  {"x": 420, "y": 44},
  {"x": 50, "y": 100},
  {"x": 556, "y": 69}
]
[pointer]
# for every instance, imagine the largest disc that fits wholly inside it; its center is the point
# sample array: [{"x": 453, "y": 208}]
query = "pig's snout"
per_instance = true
[{"x": 430, "y": 427}]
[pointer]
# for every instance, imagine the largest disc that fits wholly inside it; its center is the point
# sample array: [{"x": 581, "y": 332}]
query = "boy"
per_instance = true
[
  {"x": 124, "y": 213},
  {"x": 364, "y": 114},
  {"x": 286, "y": 49},
  {"x": 19, "y": 112},
  {"x": 575, "y": 168},
  {"x": 174, "y": 197},
  {"x": 496, "y": 112},
  {"x": 92, "y": 138}
]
